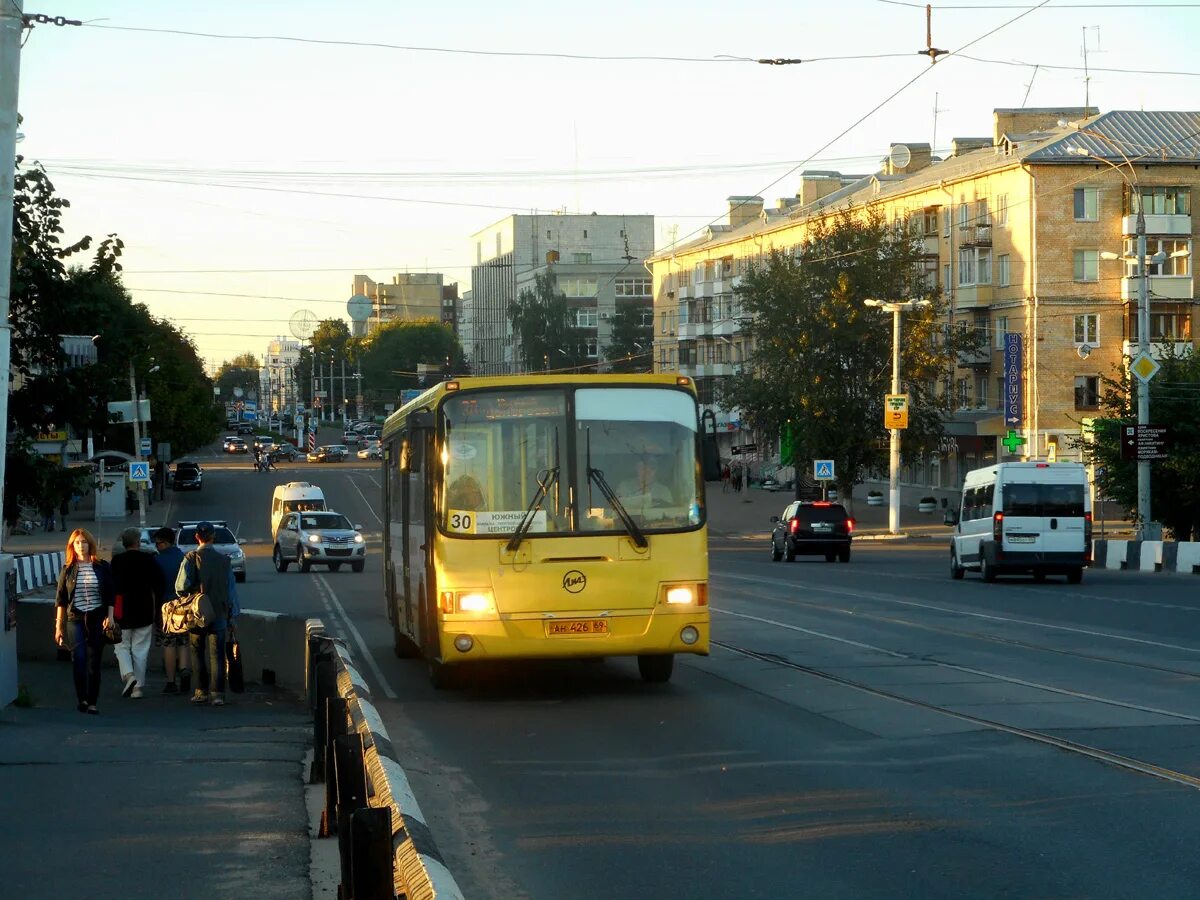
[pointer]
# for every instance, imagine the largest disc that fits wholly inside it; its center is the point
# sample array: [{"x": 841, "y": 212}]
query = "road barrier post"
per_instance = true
[
  {"x": 371, "y": 861},
  {"x": 335, "y": 727},
  {"x": 350, "y": 773}
]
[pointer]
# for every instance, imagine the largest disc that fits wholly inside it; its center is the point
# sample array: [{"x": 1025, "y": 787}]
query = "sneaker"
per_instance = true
[
  {"x": 218, "y": 700},
  {"x": 92, "y": 711},
  {"x": 82, "y": 707},
  {"x": 199, "y": 697},
  {"x": 185, "y": 681},
  {"x": 170, "y": 688},
  {"x": 130, "y": 684},
  {"x": 137, "y": 693}
]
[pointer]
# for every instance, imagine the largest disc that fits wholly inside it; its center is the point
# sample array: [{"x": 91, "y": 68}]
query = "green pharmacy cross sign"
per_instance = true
[{"x": 1013, "y": 442}]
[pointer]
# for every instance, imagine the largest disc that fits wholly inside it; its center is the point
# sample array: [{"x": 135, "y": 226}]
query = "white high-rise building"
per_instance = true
[
  {"x": 598, "y": 264},
  {"x": 279, "y": 391}
]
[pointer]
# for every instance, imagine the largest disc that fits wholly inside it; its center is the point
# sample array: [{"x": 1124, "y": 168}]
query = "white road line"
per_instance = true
[
  {"x": 358, "y": 638},
  {"x": 366, "y": 501},
  {"x": 884, "y": 598}
]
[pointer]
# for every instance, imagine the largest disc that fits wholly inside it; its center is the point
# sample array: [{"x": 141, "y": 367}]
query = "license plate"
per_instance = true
[
  {"x": 1022, "y": 538},
  {"x": 569, "y": 627},
  {"x": 822, "y": 526}
]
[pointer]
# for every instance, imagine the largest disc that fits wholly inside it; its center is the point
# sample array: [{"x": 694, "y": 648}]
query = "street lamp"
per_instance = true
[
  {"x": 895, "y": 308},
  {"x": 1145, "y": 530}
]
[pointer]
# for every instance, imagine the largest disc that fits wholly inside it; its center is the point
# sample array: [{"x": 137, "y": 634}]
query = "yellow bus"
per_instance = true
[{"x": 549, "y": 516}]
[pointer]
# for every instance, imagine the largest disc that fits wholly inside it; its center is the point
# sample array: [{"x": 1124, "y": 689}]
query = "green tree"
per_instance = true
[
  {"x": 390, "y": 357},
  {"x": 240, "y": 372},
  {"x": 1175, "y": 481},
  {"x": 630, "y": 347},
  {"x": 821, "y": 362},
  {"x": 543, "y": 323}
]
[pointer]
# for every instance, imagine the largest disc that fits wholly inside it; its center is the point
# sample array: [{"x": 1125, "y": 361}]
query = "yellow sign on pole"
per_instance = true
[{"x": 895, "y": 411}]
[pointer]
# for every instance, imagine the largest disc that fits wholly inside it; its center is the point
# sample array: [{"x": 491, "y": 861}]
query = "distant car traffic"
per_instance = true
[
  {"x": 324, "y": 538},
  {"x": 284, "y": 450},
  {"x": 188, "y": 476},
  {"x": 236, "y": 445},
  {"x": 245, "y": 428},
  {"x": 327, "y": 453},
  {"x": 225, "y": 542},
  {"x": 371, "y": 450},
  {"x": 808, "y": 528},
  {"x": 350, "y": 437}
]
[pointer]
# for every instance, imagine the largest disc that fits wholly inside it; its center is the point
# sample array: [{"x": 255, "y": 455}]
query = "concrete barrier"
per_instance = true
[
  {"x": 274, "y": 646},
  {"x": 418, "y": 869},
  {"x": 1148, "y": 556},
  {"x": 38, "y": 569}
]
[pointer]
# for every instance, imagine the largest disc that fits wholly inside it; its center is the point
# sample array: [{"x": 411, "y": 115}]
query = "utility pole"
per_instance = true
[
  {"x": 137, "y": 441},
  {"x": 11, "y": 23},
  {"x": 1146, "y": 530}
]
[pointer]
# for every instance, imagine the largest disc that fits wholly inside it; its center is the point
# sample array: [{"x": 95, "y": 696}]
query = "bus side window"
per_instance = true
[
  {"x": 989, "y": 494},
  {"x": 969, "y": 499}
]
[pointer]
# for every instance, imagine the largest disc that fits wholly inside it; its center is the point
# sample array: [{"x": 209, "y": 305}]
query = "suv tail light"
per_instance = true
[
  {"x": 849, "y": 526},
  {"x": 795, "y": 526},
  {"x": 998, "y": 528},
  {"x": 1087, "y": 537}
]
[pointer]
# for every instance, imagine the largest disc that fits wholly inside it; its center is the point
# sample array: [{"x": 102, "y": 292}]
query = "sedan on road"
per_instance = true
[
  {"x": 225, "y": 542},
  {"x": 327, "y": 453},
  {"x": 372, "y": 450},
  {"x": 325, "y": 538}
]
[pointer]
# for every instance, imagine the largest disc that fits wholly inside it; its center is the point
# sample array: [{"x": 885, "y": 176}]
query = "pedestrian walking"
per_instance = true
[
  {"x": 206, "y": 570},
  {"x": 176, "y": 648},
  {"x": 47, "y": 515},
  {"x": 64, "y": 507},
  {"x": 83, "y": 602},
  {"x": 138, "y": 583},
  {"x": 725, "y": 479}
]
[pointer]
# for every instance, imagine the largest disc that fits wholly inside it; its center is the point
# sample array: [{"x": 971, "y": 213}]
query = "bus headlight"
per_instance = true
[
  {"x": 475, "y": 601},
  {"x": 689, "y": 635},
  {"x": 463, "y": 643},
  {"x": 691, "y": 594}
]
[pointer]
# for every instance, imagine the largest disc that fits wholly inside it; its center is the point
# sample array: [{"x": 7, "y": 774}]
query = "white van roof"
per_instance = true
[{"x": 1059, "y": 472}]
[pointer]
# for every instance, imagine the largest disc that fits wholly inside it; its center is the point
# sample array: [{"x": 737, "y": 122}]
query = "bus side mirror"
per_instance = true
[{"x": 710, "y": 458}]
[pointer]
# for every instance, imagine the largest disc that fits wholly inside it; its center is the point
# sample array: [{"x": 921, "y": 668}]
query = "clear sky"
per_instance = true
[{"x": 251, "y": 178}]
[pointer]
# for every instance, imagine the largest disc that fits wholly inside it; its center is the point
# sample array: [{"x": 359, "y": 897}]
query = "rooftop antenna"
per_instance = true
[
  {"x": 628, "y": 257},
  {"x": 1029, "y": 86},
  {"x": 931, "y": 51},
  {"x": 1087, "y": 78},
  {"x": 936, "y": 110}
]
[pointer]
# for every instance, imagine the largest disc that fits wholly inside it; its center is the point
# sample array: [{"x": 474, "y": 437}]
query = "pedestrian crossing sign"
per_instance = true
[
  {"x": 139, "y": 471},
  {"x": 823, "y": 469}
]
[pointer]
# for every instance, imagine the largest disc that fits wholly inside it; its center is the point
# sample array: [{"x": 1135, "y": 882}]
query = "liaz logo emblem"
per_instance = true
[{"x": 574, "y": 581}]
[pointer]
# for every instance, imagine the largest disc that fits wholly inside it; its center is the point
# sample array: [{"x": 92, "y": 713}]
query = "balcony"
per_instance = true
[
  {"x": 976, "y": 359},
  {"x": 1159, "y": 225},
  {"x": 975, "y": 235},
  {"x": 1158, "y": 349},
  {"x": 683, "y": 293},
  {"x": 703, "y": 289},
  {"x": 688, "y": 330},
  {"x": 931, "y": 244},
  {"x": 1162, "y": 287},
  {"x": 972, "y": 296}
]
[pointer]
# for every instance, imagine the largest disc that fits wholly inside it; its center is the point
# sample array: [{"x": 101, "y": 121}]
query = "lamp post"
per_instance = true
[
  {"x": 1146, "y": 528},
  {"x": 137, "y": 435},
  {"x": 895, "y": 308}
]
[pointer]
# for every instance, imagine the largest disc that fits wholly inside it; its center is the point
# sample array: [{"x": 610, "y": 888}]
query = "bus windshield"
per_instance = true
[{"x": 515, "y": 456}]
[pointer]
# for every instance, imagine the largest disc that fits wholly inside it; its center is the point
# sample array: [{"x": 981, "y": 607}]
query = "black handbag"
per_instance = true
[
  {"x": 112, "y": 634},
  {"x": 237, "y": 678}
]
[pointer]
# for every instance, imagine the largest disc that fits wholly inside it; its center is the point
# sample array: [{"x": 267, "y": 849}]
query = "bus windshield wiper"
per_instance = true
[
  {"x": 546, "y": 479},
  {"x": 595, "y": 475}
]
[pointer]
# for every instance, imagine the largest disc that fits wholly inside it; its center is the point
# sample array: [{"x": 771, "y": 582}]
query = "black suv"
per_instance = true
[
  {"x": 812, "y": 528},
  {"x": 188, "y": 476}
]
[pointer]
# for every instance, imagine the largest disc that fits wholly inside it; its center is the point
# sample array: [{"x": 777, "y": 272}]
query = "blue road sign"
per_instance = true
[
  {"x": 823, "y": 469},
  {"x": 139, "y": 471}
]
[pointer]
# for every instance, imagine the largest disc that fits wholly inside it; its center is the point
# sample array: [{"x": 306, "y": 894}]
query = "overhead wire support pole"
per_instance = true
[{"x": 12, "y": 22}]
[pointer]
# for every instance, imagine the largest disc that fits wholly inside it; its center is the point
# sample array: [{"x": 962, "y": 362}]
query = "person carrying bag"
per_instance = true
[{"x": 206, "y": 572}]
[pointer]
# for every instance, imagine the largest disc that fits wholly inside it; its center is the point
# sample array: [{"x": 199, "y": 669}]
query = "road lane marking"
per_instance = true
[
  {"x": 885, "y": 598},
  {"x": 370, "y": 507},
  {"x": 358, "y": 638}
]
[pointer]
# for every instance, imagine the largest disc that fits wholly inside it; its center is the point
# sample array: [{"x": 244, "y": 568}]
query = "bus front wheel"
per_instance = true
[{"x": 656, "y": 669}]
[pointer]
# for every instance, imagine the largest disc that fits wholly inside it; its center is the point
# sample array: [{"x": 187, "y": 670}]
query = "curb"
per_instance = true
[{"x": 1179, "y": 557}]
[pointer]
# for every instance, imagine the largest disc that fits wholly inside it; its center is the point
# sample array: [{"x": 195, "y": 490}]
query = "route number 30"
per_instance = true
[{"x": 462, "y": 521}]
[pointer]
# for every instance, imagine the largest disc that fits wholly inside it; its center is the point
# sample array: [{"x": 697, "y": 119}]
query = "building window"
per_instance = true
[
  {"x": 585, "y": 234},
  {"x": 962, "y": 393},
  {"x": 981, "y": 383},
  {"x": 646, "y": 317},
  {"x": 966, "y": 267},
  {"x": 947, "y": 218},
  {"x": 1002, "y": 209},
  {"x": 581, "y": 259},
  {"x": 983, "y": 266},
  {"x": 1087, "y": 330},
  {"x": 1004, "y": 267},
  {"x": 1160, "y": 201},
  {"x": 1087, "y": 204},
  {"x": 946, "y": 277},
  {"x": 1165, "y": 325},
  {"x": 1000, "y": 331},
  {"x": 591, "y": 348},
  {"x": 1000, "y": 392},
  {"x": 981, "y": 213},
  {"x": 632, "y": 287},
  {"x": 579, "y": 287},
  {"x": 1087, "y": 391},
  {"x": 1171, "y": 265},
  {"x": 585, "y": 317},
  {"x": 547, "y": 234},
  {"x": 1087, "y": 265},
  {"x": 663, "y": 320},
  {"x": 929, "y": 222},
  {"x": 964, "y": 215}
]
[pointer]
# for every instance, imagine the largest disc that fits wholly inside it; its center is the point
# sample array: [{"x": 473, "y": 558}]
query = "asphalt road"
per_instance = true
[{"x": 869, "y": 729}]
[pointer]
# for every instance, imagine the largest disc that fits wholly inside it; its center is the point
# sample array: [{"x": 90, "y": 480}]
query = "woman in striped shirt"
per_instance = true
[{"x": 83, "y": 609}]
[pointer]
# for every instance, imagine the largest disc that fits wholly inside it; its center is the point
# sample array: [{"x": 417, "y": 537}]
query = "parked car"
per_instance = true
[
  {"x": 284, "y": 450},
  {"x": 225, "y": 542},
  {"x": 324, "y": 538},
  {"x": 327, "y": 453},
  {"x": 350, "y": 437},
  {"x": 245, "y": 428},
  {"x": 807, "y": 528},
  {"x": 771, "y": 484},
  {"x": 188, "y": 476},
  {"x": 147, "y": 542},
  {"x": 371, "y": 450}
]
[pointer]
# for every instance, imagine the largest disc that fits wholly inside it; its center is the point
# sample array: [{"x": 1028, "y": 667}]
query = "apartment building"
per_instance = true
[
  {"x": 598, "y": 262},
  {"x": 278, "y": 376},
  {"x": 409, "y": 297},
  {"x": 1028, "y": 232}
]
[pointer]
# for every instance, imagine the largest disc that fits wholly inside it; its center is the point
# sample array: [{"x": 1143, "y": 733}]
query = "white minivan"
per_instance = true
[
  {"x": 1025, "y": 518},
  {"x": 295, "y": 496}
]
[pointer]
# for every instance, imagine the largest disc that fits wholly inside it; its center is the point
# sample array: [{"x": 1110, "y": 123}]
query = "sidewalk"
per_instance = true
[{"x": 155, "y": 797}]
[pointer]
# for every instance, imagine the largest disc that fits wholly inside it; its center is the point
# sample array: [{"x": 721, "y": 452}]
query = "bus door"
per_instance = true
[{"x": 420, "y": 532}]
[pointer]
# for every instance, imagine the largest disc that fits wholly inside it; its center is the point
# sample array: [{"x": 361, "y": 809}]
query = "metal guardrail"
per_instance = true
[{"x": 385, "y": 848}]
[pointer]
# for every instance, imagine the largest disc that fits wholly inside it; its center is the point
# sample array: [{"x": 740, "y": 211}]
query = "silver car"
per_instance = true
[
  {"x": 225, "y": 542},
  {"x": 325, "y": 538}
]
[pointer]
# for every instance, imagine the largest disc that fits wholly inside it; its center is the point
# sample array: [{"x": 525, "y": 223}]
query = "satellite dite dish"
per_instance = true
[
  {"x": 358, "y": 308},
  {"x": 899, "y": 156},
  {"x": 303, "y": 323}
]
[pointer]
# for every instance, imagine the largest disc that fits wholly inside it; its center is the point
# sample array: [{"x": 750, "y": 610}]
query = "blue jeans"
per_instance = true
[
  {"x": 208, "y": 651},
  {"x": 86, "y": 653}
]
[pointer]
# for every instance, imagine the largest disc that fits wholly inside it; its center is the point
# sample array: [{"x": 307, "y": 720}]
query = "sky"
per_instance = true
[{"x": 252, "y": 177}]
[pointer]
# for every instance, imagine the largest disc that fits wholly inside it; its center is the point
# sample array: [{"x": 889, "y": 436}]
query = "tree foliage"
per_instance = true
[
  {"x": 389, "y": 357},
  {"x": 629, "y": 348},
  {"x": 239, "y": 372},
  {"x": 544, "y": 325},
  {"x": 821, "y": 359},
  {"x": 1175, "y": 481}
]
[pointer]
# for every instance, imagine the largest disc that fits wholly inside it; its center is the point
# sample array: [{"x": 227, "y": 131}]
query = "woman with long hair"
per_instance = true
[{"x": 83, "y": 609}]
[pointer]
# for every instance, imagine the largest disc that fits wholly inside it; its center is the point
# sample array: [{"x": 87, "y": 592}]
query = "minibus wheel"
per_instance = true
[
  {"x": 956, "y": 571},
  {"x": 656, "y": 668}
]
